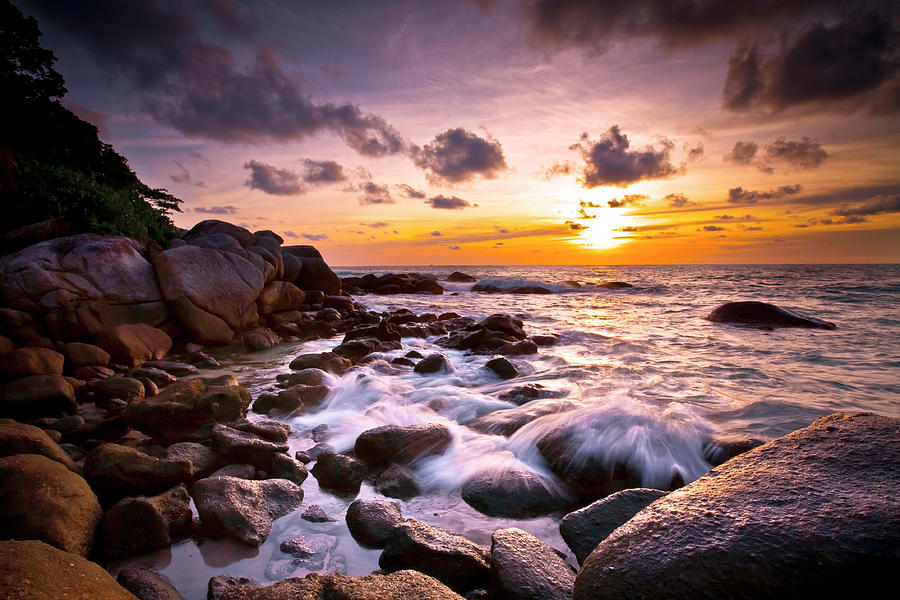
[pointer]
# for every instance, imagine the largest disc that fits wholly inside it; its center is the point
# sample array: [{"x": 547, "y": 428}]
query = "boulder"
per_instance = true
[
  {"x": 32, "y": 570},
  {"x": 292, "y": 267},
  {"x": 294, "y": 397},
  {"x": 401, "y": 444},
  {"x": 18, "y": 438},
  {"x": 316, "y": 514},
  {"x": 142, "y": 524},
  {"x": 301, "y": 251},
  {"x": 147, "y": 585},
  {"x": 586, "y": 527},
  {"x": 187, "y": 410},
  {"x": 526, "y": 393},
  {"x": 383, "y": 332},
  {"x": 525, "y": 568},
  {"x": 25, "y": 362},
  {"x": 455, "y": 561},
  {"x": 762, "y": 313},
  {"x": 458, "y": 277},
  {"x": 507, "y": 422},
  {"x": 178, "y": 369},
  {"x": 397, "y": 482},
  {"x": 279, "y": 296},
  {"x": 402, "y": 585},
  {"x": 338, "y": 472},
  {"x": 503, "y": 324},
  {"x": 83, "y": 285},
  {"x": 214, "y": 227},
  {"x": 513, "y": 493},
  {"x": 124, "y": 388},
  {"x": 812, "y": 514},
  {"x": 355, "y": 350},
  {"x": 316, "y": 275},
  {"x": 40, "y": 499},
  {"x": 614, "y": 285},
  {"x": 325, "y": 361},
  {"x": 157, "y": 376},
  {"x": 520, "y": 348},
  {"x": 213, "y": 293},
  {"x": 238, "y": 446},
  {"x": 203, "y": 460},
  {"x": 37, "y": 396},
  {"x": 371, "y": 521},
  {"x": 283, "y": 466},
  {"x": 79, "y": 355},
  {"x": 259, "y": 339},
  {"x": 243, "y": 509},
  {"x": 502, "y": 367},
  {"x": 433, "y": 363},
  {"x": 133, "y": 345},
  {"x": 116, "y": 471}
]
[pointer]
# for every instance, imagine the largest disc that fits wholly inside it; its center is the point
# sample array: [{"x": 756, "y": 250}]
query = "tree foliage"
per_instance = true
[{"x": 62, "y": 169}]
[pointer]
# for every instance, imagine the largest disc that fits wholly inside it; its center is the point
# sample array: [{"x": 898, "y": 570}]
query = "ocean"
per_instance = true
[{"x": 640, "y": 371}]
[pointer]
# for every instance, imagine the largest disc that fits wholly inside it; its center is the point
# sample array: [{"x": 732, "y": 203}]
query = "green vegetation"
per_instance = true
[{"x": 52, "y": 164}]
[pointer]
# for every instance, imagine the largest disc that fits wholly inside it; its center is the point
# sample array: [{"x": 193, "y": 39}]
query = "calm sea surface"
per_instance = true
[{"x": 649, "y": 380}]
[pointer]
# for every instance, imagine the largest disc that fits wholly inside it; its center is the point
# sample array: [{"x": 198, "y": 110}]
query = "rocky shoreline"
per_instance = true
[{"x": 112, "y": 431}]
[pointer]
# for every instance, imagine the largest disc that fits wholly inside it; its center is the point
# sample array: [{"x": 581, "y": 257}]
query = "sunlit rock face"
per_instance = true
[{"x": 811, "y": 514}]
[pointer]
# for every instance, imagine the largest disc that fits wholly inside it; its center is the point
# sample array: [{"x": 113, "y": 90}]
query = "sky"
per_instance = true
[{"x": 506, "y": 131}]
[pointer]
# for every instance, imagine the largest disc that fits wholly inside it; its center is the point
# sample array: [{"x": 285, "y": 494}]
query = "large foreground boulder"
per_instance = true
[
  {"x": 762, "y": 313},
  {"x": 40, "y": 499},
  {"x": 813, "y": 514},
  {"x": 33, "y": 570},
  {"x": 212, "y": 292}
]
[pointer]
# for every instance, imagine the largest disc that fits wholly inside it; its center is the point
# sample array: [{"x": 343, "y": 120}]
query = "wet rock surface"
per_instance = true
[
  {"x": 147, "y": 585},
  {"x": 525, "y": 568},
  {"x": 371, "y": 521},
  {"x": 513, "y": 493},
  {"x": 762, "y": 313},
  {"x": 141, "y": 524},
  {"x": 398, "y": 444},
  {"x": 763, "y": 524},
  {"x": 338, "y": 471},
  {"x": 115, "y": 471}
]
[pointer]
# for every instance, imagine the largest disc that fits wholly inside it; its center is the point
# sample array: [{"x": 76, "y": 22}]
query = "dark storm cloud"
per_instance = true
[
  {"x": 874, "y": 206},
  {"x": 739, "y": 195},
  {"x": 447, "y": 202},
  {"x": 799, "y": 154},
  {"x": 217, "y": 210},
  {"x": 852, "y": 61},
  {"x": 411, "y": 192},
  {"x": 627, "y": 200},
  {"x": 677, "y": 200},
  {"x": 743, "y": 153},
  {"x": 322, "y": 171},
  {"x": 457, "y": 155},
  {"x": 198, "y": 87},
  {"x": 608, "y": 161},
  {"x": 271, "y": 180},
  {"x": 374, "y": 193}
]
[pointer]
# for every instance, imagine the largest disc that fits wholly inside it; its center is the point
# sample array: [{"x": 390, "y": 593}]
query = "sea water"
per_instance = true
[{"x": 644, "y": 380}]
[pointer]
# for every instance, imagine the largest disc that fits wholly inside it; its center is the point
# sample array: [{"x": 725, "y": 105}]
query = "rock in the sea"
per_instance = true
[
  {"x": 433, "y": 363},
  {"x": 283, "y": 466},
  {"x": 338, "y": 472},
  {"x": 586, "y": 527},
  {"x": 244, "y": 447},
  {"x": 526, "y": 393},
  {"x": 452, "y": 559},
  {"x": 401, "y": 444},
  {"x": 242, "y": 509},
  {"x": 371, "y": 521},
  {"x": 141, "y": 524},
  {"x": 280, "y": 296},
  {"x": 325, "y": 361},
  {"x": 614, "y": 285},
  {"x": 315, "y": 274},
  {"x": 18, "y": 438},
  {"x": 507, "y": 422},
  {"x": 37, "y": 396},
  {"x": 525, "y": 568},
  {"x": 502, "y": 367},
  {"x": 513, "y": 493},
  {"x": 40, "y": 499},
  {"x": 402, "y": 585},
  {"x": 147, "y": 585},
  {"x": 813, "y": 514},
  {"x": 33, "y": 570},
  {"x": 116, "y": 471},
  {"x": 187, "y": 410},
  {"x": 397, "y": 482},
  {"x": 316, "y": 514},
  {"x": 459, "y": 277},
  {"x": 212, "y": 292},
  {"x": 762, "y": 313}
]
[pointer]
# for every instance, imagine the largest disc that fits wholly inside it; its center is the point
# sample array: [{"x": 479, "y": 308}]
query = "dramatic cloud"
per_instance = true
[
  {"x": 271, "y": 180},
  {"x": 217, "y": 210},
  {"x": 677, "y": 200},
  {"x": 875, "y": 206},
  {"x": 374, "y": 193},
  {"x": 743, "y": 153},
  {"x": 411, "y": 192},
  {"x": 739, "y": 195},
  {"x": 200, "y": 88},
  {"x": 320, "y": 172},
  {"x": 608, "y": 161},
  {"x": 457, "y": 155},
  {"x": 852, "y": 61},
  {"x": 447, "y": 202},
  {"x": 627, "y": 200},
  {"x": 799, "y": 154}
]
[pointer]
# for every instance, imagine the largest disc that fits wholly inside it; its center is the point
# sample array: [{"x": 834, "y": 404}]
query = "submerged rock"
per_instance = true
[
  {"x": 507, "y": 422},
  {"x": 452, "y": 559},
  {"x": 812, "y": 514},
  {"x": 433, "y": 363},
  {"x": 586, "y": 527},
  {"x": 371, "y": 521},
  {"x": 243, "y": 509},
  {"x": 401, "y": 444},
  {"x": 762, "y": 313},
  {"x": 525, "y": 568}
]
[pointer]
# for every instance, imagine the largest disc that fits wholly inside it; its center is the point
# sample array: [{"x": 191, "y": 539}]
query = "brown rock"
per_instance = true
[
  {"x": 280, "y": 296},
  {"x": 25, "y": 362},
  {"x": 84, "y": 355},
  {"x": 116, "y": 471},
  {"x": 18, "y": 438},
  {"x": 37, "y": 396},
  {"x": 133, "y": 345},
  {"x": 141, "y": 524}
]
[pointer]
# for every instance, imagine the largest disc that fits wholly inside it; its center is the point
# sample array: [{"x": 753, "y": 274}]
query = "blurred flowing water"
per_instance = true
[{"x": 647, "y": 381}]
